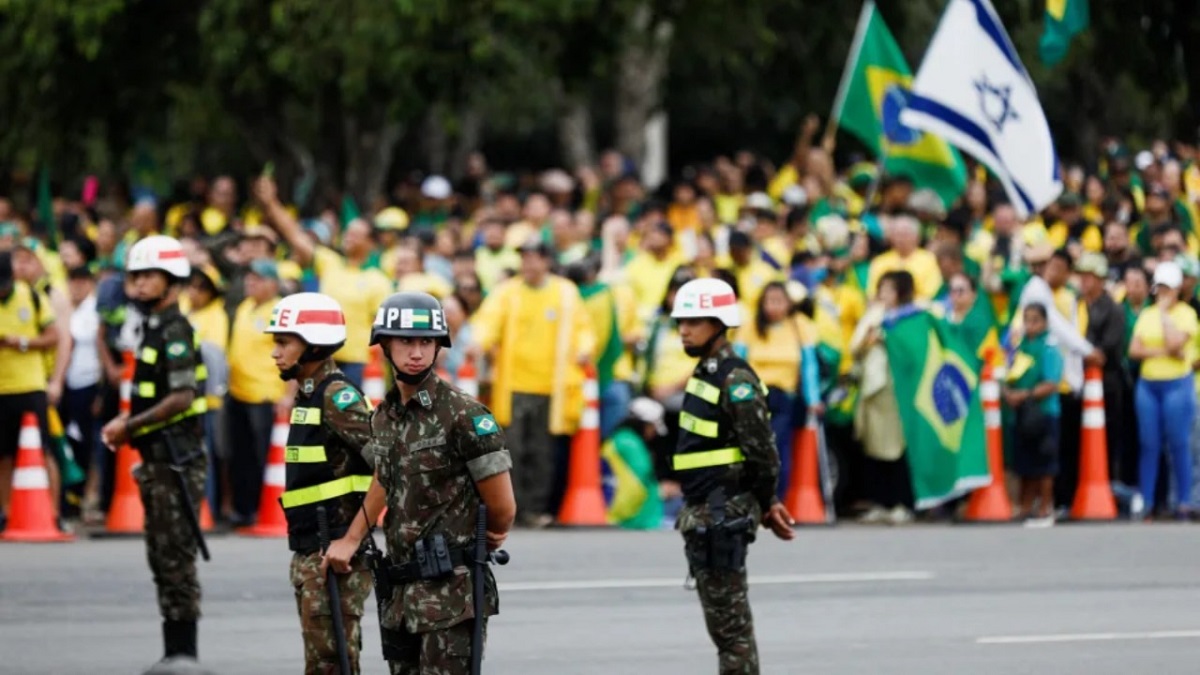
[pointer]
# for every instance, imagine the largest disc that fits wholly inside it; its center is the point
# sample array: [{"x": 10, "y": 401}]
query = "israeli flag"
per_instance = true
[{"x": 973, "y": 91}]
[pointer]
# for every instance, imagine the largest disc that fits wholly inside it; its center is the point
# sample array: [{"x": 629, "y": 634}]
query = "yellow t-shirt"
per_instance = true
[
  {"x": 253, "y": 377},
  {"x": 776, "y": 356},
  {"x": 751, "y": 279},
  {"x": 20, "y": 316},
  {"x": 212, "y": 326},
  {"x": 490, "y": 265},
  {"x": 1149, "y": 330},
  {"x": 648, "y": 278},
  {"x": 672, "y": 365},
  {"x": 921, "y": 264},
  {"x": 533, "y": 360},
  {"x": 727, "y": 207},
  {"x": 360, "y": 292}
]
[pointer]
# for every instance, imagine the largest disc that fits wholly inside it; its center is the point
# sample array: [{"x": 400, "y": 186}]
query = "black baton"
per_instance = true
[
  {"x": 335, "y": 595},
  {"x": 189, "y": 506},
  {"x": 482, "y": 558}
]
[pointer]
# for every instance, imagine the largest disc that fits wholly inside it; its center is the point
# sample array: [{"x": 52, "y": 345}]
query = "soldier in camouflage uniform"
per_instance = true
[
  {"x": 727, "y": 466},
  {"x": 326, "y": 469},
  {"x": 438, "y": 452},
  {"x": 167, "y": 408}
]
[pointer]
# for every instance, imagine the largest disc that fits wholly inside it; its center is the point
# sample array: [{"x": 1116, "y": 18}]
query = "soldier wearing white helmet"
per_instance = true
[
  {"x": 326, "y": 473},
  {"x": 727, "y": 466},
  {"x": 165, "y": 425}
]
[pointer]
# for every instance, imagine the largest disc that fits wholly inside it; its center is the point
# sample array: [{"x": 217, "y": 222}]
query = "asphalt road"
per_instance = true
[{"x": 926, "y": 600}]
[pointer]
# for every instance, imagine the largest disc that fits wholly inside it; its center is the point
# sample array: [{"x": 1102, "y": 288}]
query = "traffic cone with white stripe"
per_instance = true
[
  {"x": 804, "y": 499},
  {"x": 271, "y": 521},
  {"x": 991, "y": 503},
  {"x": 373, "y": 385},
  {"x": 468, "y": 378},
  {"x": 583, "y": 503},
  {"x": 31, "y": 508},
  {"x": 125, "y": 513},
  {"x": 1093, "y": 496}
]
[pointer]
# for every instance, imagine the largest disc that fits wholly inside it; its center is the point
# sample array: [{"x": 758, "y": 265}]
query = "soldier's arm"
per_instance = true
[
  {"x": 347, "y": 415},
  {"x": 745, "y": 403},
  {"x": 180, "y": 359},
  {"x": 480, "y": 442}
]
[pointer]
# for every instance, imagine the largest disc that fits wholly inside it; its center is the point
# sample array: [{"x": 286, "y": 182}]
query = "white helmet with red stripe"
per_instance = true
[
  {"x": 161, "y": 253},
  {"x": 707, "y": 299},
  {"x": 315, "y": 318}
]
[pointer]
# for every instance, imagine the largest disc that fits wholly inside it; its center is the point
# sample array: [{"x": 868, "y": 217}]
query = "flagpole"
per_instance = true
[{"x": 839, "y": 99}]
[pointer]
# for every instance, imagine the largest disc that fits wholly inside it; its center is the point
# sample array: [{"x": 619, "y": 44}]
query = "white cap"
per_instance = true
[
  {"x": 161, "y": 253},
  {"x": 648, "y": 410},
  {"x": 1143, "y": 160},
  {"x": 707, "y": 299},
  {"x": 315, "y": 318},
  {"x": 436, "y": 187},
  {"x": 794, "y": 195},
  {"x": 759, "y": 200},
  {"x": 1168, "y": 274}
]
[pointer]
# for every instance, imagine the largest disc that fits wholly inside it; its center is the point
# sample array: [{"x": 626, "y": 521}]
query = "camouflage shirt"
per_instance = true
[
  {"x": 346, "y": 416},
  {"x": 429, "y": 453},
  {"x": 744, "y": 402}
]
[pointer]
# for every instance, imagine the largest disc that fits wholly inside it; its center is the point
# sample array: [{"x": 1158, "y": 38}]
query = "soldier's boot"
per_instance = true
[{"x": 179, "y": 638}]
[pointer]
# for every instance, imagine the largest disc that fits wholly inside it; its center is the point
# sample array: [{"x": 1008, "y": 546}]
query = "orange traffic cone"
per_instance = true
[
  {"x": 468, "y": 378},
  {"x": 373, "y": 386},
  {"x": 991, "y": 503},
  {"x": 804, "y": 499},
  {"x": 125, "y": 512},
  {"x": 31, "y": 508},
  {"x": 1093, "y": 496},
  {"x": 271, "y": 521},
  {"x": 206, "y": 518},
  {"x": 583, "y": 503}
]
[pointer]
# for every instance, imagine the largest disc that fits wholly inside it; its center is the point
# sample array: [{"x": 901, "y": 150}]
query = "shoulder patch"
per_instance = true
[
  {"x": 177, "y": 348},
  {"x": 485, "y": 425},
  {"x": 346, "y": 398},
  {"x": 743, "y": 391}
]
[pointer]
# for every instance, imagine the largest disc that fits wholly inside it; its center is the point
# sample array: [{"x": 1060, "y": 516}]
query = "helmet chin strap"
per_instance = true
[
  {"x": 292, "y": 372},
  {"x": 706, "y": 348},
  {"x": 412, "y": 380}
]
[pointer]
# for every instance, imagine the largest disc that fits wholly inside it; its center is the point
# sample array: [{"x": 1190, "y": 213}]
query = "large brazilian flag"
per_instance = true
[
  {"x": 937, "y": 394},
  {"x": 873, "y": 92}
]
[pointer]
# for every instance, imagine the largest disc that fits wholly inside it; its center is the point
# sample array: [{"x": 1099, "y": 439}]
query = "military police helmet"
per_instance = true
[
  {"x": 410, "y": 314},
  {"x": 707, "y": 299},
  {"x": 315, "y": 318},
  {"x": 162, "y": 253}
]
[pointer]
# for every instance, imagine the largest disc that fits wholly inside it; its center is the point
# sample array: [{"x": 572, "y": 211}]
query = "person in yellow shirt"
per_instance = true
[
  {"x": 493, "y": 257},
  {"x": 539, "y": 334},
  {"x": 210, "y": 320},
  {"x": 904, "y": 234},
  {"x": 649, "y": 272},
  {"x": 1166, "y": 396},
  {"x": 348, "y": 277},
  {"x": 27, "y": 331},
  {"x": 780, "y": 345},
  {"x": 749, "y": 269},
  {"x": 664, "y": 366},
  {"x": 256, "y": 394},
  {"x": 411, "y": 275}
]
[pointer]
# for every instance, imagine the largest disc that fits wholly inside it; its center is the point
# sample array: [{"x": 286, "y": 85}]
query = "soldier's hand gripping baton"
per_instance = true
[
  {"x": 335, "y": 596},
  {"x": 189, "y": 505},
  {"x": 481, "y": 559}
]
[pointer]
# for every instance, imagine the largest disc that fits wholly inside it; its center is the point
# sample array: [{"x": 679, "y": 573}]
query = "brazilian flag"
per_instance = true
[
  {"x": 1064, "y": 20},
  {"x": 874, "y": 90},
  {"x": 937, "y": 394}
]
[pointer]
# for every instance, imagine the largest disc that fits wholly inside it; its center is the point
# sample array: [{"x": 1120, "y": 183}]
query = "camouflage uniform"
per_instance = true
[
  {"x": 168, "y": 360},
  {"x": 346, "y": 426},
  {"x": 429, "y": 454},
  {"x": 736, "y": 400}
]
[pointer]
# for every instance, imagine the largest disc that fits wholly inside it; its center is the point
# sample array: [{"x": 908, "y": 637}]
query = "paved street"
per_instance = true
[{"x": 926, "y": 600}]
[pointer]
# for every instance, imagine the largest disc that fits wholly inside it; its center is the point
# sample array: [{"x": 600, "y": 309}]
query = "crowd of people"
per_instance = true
[{"x": 551, "y": 278}]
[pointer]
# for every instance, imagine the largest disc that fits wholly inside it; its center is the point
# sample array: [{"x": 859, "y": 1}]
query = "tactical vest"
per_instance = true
[
  {"x": 310, "y": 478},
  {"x": 150, "y": 376},
  {"x": 707, "y": 445}
]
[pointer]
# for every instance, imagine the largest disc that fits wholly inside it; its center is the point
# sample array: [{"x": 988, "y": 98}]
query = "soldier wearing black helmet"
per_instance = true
[{"x": 438, "y": 454}]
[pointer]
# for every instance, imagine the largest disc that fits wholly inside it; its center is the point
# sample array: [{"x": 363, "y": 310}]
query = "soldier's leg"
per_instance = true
[
  {"x": 726, "y": 604},
  {"x": 316, "y": 620},
  {"x": 448, "y": 652}
]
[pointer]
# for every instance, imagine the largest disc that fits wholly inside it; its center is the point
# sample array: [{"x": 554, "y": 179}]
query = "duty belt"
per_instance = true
[{"x": 411, "y": 571}]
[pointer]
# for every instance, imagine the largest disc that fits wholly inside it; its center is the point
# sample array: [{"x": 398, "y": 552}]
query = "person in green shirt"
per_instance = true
[
  {"x": 1031, "y": 392},
  {"x": 635, "y": 502}
]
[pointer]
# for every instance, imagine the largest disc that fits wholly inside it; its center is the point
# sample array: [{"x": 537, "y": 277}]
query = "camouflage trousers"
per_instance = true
[
  {"x": 316, "y": 620},
  {"x": 724, "y": 594},
  {"x": 439, "y": 652},
  {"x": 170, "y": 544}
]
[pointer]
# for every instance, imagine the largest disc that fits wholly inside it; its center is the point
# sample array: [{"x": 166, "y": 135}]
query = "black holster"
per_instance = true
[
  {"x": 434, "y": 559},
  {"x": 723, "y": 544}
]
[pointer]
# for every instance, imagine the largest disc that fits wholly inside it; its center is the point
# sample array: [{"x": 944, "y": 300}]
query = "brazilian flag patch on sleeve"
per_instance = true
[
  {"x": 345, "y": 398},
  {"x": 176, "y": 349},
  {"x": 485, "y": 425},
  {"x": 741, "y": 392}
]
